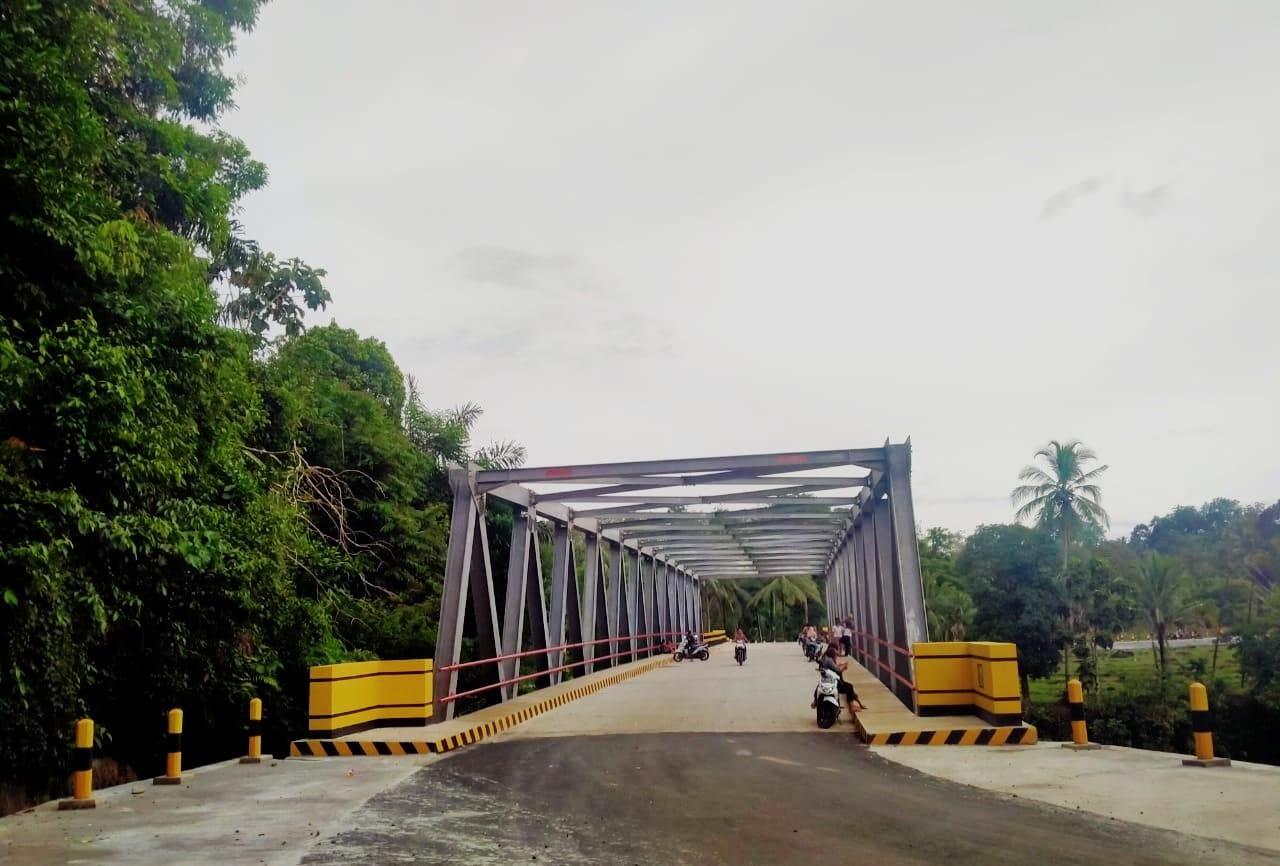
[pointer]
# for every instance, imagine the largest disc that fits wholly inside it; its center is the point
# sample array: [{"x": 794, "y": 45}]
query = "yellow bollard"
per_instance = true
[
  {"x": 1079, "y": 734},
  {"x": 173, "y": 761},
  {"x": 82, "y": 769},
  {"x": 1202, "y": 726},
  {"x": 255, "y": 733}
]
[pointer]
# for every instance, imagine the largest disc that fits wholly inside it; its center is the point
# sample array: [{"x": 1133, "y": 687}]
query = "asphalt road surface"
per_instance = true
[{"x": 739, "y": 799}]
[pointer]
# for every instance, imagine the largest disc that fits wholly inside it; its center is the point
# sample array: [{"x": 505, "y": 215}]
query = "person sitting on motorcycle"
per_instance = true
[
  {"x": 828, "y": 663},
  {"x": 739, "y": 635}
]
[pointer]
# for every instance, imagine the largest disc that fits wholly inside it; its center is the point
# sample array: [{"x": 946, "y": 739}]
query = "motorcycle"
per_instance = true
[
  {"x": 740, "y": 651},
  {"x": 814, "y": 649},
  {"x": 827, "y": 698},
  {"x": 697, "y": 651}
]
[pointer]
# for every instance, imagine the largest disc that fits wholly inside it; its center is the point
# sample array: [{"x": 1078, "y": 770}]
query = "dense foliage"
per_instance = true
[
  {"x": 1064, "y": 597},
  {"x": 198, "y": 498}
]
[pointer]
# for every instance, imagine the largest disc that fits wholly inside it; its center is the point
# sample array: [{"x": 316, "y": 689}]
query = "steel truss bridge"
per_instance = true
[{"x": 653, "y": 531}]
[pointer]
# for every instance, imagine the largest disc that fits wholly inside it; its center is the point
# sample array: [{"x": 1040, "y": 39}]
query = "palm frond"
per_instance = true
[{"x": 1035, "y": 473}]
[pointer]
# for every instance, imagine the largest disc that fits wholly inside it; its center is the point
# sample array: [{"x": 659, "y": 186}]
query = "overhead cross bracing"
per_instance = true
[
  {"x": 654, "y": 530},
  {"x": 772, "y": 522}
]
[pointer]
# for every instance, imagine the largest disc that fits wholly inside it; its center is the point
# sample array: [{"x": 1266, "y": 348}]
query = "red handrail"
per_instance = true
[
  {"x": 906, "y": 652},
  {"x": 447, "y": 698},
  {"x": 550, "y": 649}
]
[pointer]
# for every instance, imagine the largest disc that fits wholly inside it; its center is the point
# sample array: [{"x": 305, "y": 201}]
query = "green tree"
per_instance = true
[
  {"x": 140, "y": 545},
  {"x": 1099, "y": 606},
  {"x": 1062, "y": 497},
  {"x": 948, "y": 606},
  {"x": 1009, "y": 572},
  {"x": 1259, "y": 652},
  {"x": 787, "y": 592},
  {"x": 1064, "y": 501},
  {"x": 446, "y": 436},
  {"x": 334, "y": 402},
  {"x": 724, "y": 602},
  {"x": 1160, "y": 590}
]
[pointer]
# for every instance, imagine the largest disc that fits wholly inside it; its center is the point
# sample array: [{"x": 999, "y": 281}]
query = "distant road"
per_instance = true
[{"x": 1146, "y": 644}]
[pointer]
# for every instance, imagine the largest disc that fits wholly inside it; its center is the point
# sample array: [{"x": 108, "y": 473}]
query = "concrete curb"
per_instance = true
[{"x": 313, "y": 748}]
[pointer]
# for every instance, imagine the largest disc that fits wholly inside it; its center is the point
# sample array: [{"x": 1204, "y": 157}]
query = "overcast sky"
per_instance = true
[{"x": 675, "y": 229}]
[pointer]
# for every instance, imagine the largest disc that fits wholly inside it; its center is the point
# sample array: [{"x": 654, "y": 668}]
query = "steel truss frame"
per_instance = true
[{"x": 643, "y": 568}]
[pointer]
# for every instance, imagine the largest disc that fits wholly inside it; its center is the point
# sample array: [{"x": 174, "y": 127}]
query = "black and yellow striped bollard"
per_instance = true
[
  {"x": 255, "y": 733},
  {"x": 173, "y": 760},
  {"x": 82, "y": 769},
  {"x": 1202, "y": 727},
  {"x": 1079, "y": 733}
]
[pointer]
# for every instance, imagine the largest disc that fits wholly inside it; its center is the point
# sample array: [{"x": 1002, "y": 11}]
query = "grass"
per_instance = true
[{"x": 1124, "y": 671}]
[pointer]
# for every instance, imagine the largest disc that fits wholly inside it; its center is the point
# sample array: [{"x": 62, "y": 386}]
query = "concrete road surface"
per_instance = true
[{"x": 732, "y": 799}]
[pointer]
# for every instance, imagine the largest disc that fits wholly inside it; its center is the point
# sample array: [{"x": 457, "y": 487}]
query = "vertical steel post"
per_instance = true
[
  {"x": 573, "y": 630},
  {"x": 906, "y": 548},
  {"x": 620, "y": 628},
  {"x": 681, "y": 609},
  {"x": 859, "y": 603},
  {"x": 874, "y": 630},
  {"x": 535, "y": 601},
  {"x": 591, "y": 599},
  {"x": 888, "y": 593},
  {"x": 660, "y": 600},
  {"x": 642, "y": 605},
  {"x": 633, "y": 596},
  {"x": 517, "y": 584},
  {"x": 561, "y": 563},
  {"x": 468, "y": 572}
]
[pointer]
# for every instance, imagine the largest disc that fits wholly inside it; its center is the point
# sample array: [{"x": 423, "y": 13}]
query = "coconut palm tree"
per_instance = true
[
  {"x": 1062, "y": 496},
  {"x": 724, "y": 597},
  {"x": 1160, "y": 593},
  {"x": 790, "y": 591}
]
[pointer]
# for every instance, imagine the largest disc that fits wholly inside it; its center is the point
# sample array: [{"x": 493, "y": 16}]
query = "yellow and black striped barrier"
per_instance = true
[
  {"x": 254, "y": 755},
  {"x": 1079, "y": 732},
  {"x": 82, "y": 769},
  {"x": 173, "y": 757},
  {"x": 1202, "y": 729},
  {"x": 1022, "y": 735},
  {"x": 481, "y": 729}
]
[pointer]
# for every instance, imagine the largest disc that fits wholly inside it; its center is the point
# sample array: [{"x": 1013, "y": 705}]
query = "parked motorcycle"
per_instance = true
[
  {"x": 740, "y": 651},
  {"x": 698, "y": 650},
  {"x": 828, "y": 698}
]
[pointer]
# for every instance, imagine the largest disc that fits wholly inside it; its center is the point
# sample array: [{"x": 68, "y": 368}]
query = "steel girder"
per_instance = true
[{"x": 782, "y": 514}]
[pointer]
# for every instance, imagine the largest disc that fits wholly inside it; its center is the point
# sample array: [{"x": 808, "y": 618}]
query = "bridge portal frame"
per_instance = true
[{"x": 644, "y": 569}]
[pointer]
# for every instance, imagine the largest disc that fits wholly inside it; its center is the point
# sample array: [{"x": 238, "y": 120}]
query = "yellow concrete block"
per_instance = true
[{"x": 360, "y": 693}]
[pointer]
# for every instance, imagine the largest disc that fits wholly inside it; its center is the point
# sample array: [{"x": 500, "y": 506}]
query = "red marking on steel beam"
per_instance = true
[
  {"x": 794, "y": 458},
  {"x": 562, "y": 472}
]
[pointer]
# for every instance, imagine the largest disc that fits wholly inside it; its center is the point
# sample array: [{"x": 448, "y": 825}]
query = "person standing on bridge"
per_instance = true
[{"x": 847, "y": 636}]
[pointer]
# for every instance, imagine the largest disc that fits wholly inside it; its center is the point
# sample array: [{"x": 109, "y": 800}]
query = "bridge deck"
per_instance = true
[{"x": 771, "y": 693}]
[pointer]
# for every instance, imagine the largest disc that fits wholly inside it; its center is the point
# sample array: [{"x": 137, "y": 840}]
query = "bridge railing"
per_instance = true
[
  {"x": 862, "y": 644},
  {"x": 648, "y": 645}
]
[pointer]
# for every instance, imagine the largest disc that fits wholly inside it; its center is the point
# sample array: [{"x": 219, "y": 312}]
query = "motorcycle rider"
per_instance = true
[{"x": 828, "y": 663}]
